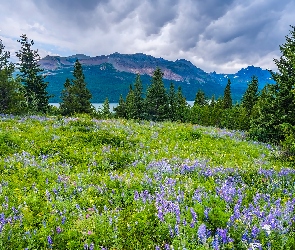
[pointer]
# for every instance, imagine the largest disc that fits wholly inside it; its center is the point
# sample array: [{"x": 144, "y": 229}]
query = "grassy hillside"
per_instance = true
[{"x": 81, "y": 183}]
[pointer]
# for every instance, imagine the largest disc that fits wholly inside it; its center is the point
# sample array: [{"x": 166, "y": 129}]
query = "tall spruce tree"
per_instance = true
[
  {"x": 227, "y": 100},
  {"x": 67, "y": 97},
  {"x": 172, "y": 99},
  {"x": 138, "y": 98},
  {"x": 106, "y": 113},
  {"x": 31, "y": 76},
  {"x": 75, "y": 95},
  {"x": 156, "y": 102},
  {"x": 120, "y": 110},
  {"x": 131, "y": 107},
  {"x": 182, "y": 108},
  {"x": 275, "y": 110},
  {"x": 251, "y": 95},
  {"x": 12, "y": 94},
  {"x": 200, "y": 98}
]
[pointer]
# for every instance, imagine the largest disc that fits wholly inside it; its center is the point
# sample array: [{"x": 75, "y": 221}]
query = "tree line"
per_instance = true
[{"x": 268, "y": 115}]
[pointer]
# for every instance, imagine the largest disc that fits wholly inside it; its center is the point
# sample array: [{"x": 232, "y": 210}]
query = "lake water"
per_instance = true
[{"x": 112, "y": 105}]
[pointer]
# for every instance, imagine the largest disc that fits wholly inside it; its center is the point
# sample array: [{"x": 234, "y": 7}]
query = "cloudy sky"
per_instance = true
[{"x": 220, "y": 35}]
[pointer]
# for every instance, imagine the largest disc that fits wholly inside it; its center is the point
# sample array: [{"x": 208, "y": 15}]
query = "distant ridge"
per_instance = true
[{"x": 110, "y": 75}]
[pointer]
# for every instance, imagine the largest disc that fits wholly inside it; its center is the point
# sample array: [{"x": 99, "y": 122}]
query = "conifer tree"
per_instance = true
[
  {"x": 12, "y": 94},
  {"x": 75, "y": 95},
  {"x": 172, "y": 98},
  {"x": 106, "y": 113},
  {"x": 131, "y": 107},
  {"x": 182, "y": 108},
  {"x": 200, "y": 98},
  {"x": 31, "y": 76},
  {"x": 138, "y": 98},
  {"x": 251, "y": 95},
  {"x": 67, "y": 107},
  {"x": 120, "y": 110},
  {"x": 275, "y": 109},
  {"x": 227, "y": 100},
  {"x": 156, "y": 102}
]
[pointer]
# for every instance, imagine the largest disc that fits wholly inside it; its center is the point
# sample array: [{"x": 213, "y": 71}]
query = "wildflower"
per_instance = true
[
  {"x": 58, "y": 230},
  {"x": 49, "y": 240},
  {"x": 253, "y": 246},
  {"x": 267, "y": 228},
  {"x": 91, "y": 247},
  {"x": 202, "y": 233},
  {"x": 254, "y": 232}
]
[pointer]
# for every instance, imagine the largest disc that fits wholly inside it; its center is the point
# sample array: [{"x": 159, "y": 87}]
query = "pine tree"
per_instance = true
[
  {"x": 106, "y": 113},
  {"x": 172, "y": 98},
  {"x": 131, "y": 108},
  {"x": 12, "y": 93},
  {"x": 156, "y": 102},
  {"x": 81, "y": 95},
  {"x": 31, "y": 76},
  {"x": 227, "y": 100},
  {"x": 67, "y": 107},
  {"x": 200, "y": 98},
  {"x": 138, "y": 98},
  {"x": 182, "y": 108},
  {"x": 75, "y": 96},
  {"x": 251, "y": 95},
  {"x": 275, "y": 109},
  {"x": 120, "y": 110}
]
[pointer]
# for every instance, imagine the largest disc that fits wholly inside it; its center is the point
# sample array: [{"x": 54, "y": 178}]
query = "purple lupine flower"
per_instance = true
[
  {"x": 206, "y": 213},
  {"x": 136, "y": 195},
  {"x": 58, "y": 230},
  {"x": 86, "y": 247},
  {"x": 194, "y": 215},
  {"x": 91, "y": 247},
  {"x": 254, "y": 232},
  {"x": 176, "y": 230},
  {"x": 63, "y": 220},
  {"x": 157, "y": 248},
  {"x": 222, "y": 233},
  {"x": 49, "y": 240},
  {"x": 171, "y": 232},
  {"x": 215, "y": 243},
  {"x": 202, "y": 233},
  {"x": 167, "y": 247}
]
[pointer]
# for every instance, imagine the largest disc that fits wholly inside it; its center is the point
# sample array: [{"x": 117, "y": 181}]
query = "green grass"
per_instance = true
[{"x": 81, "y": 183}]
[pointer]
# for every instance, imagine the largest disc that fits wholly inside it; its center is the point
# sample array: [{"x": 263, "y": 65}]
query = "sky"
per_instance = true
[{"x": 215, "y": 35}]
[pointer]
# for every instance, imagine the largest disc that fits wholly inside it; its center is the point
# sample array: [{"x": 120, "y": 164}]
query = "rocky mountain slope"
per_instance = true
[{"x": 110, "y": 75}]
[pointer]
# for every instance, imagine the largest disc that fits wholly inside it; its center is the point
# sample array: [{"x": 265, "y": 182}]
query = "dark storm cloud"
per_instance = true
[{"x": 213, "y": 34}]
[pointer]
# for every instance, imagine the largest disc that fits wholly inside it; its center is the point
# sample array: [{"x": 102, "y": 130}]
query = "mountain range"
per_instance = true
[{"x": 111, "y": 75}]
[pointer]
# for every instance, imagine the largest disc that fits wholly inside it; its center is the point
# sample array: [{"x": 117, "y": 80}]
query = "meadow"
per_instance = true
[{"x": 84, "y": 183}]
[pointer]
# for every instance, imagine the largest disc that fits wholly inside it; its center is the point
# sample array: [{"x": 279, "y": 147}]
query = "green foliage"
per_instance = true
[
  {"x": 131, "y": 107},
  {"x": 12, "y": 94},
  {"x": 138, "y": 98},
  {"x": 200, "y": 98},
  {"x": 276, "y": 105},
  {"x": 156, "y": 102},
  {"x": 172, "y": 99},
  {"x": 31, "y": 76},
  {"x": 120, "y": 110},
  {"x": 106, "y": 113},
  {"x": 75, "y": 96},
  {"x": 182, "y": 108},
  {"x": 251, "y": 95},
  {"x": 227, "y": 100}
]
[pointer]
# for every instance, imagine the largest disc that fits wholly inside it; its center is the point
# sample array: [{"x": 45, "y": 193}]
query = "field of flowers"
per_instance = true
[{"x": 82, "y": 183}]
